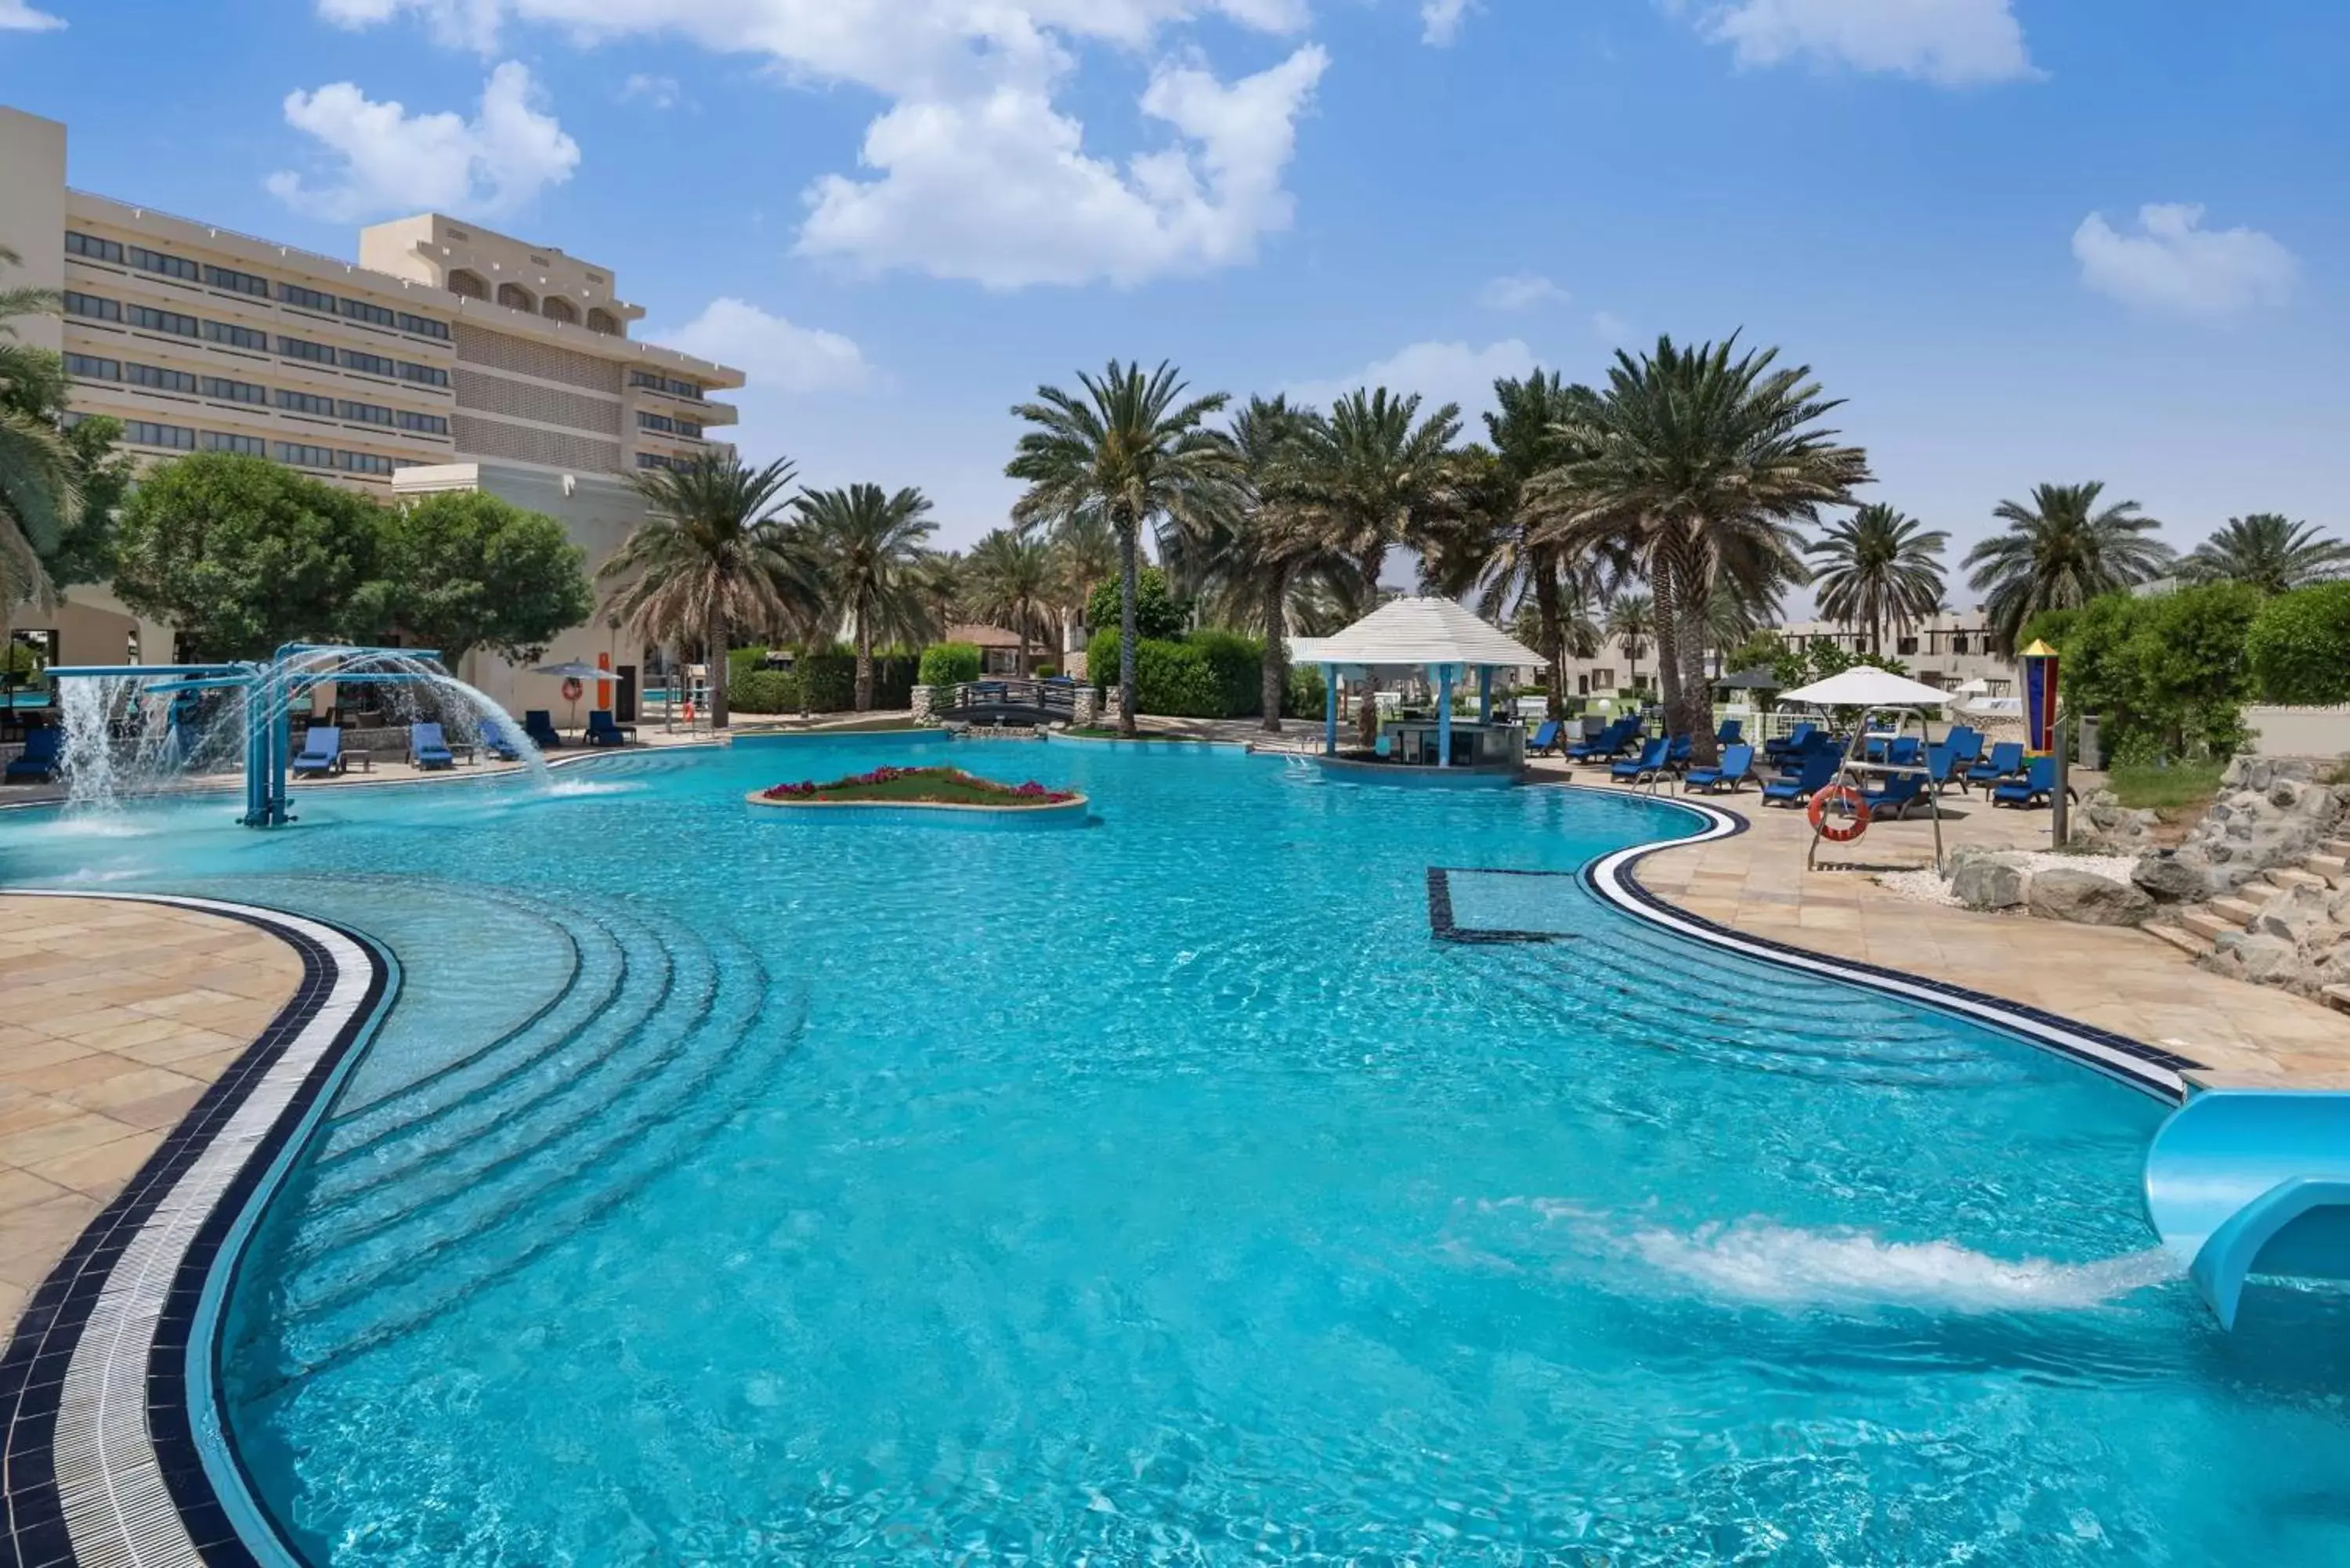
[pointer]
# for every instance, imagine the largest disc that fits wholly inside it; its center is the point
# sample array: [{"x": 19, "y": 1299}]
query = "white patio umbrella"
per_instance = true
[
  {"x": 577, "y": 669},
  {"x": 1866, "y": 686}
]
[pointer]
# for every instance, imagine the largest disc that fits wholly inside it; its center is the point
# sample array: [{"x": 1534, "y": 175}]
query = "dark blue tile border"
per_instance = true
[
  {"x": 1447, "y": 929},
  {"x": 1614, "y": 878},
  {"x": 32, "y": 1368}
]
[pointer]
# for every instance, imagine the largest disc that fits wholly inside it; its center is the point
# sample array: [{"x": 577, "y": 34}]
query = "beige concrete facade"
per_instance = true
[{"x": 1946, "y": 650}]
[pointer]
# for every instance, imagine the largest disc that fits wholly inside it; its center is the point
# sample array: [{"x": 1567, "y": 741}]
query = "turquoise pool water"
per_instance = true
[{"x": 727, "y": 1188}]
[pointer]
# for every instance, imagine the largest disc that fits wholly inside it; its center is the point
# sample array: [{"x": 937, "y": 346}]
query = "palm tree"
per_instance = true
[
  {"x": 2060, "y": 551},
  {"x": 1879, "y": 567},
  {"x": 1631, "y": 621},
  {"x": 938, "y": 580},
  {"x": 870, "y": 543},
  {"x": 1375, "y": 475},
  {"x": 1085, "y": 557},
  {"x": 38, "y": 496},
  {"x": 2269, "y": 551},
  {"x": 1130, "y": 449},
  {"x": 1265, "y": 555},
  {"x": 713, "y": 554},
  {"x": 1696, "y": 464},
  {"x": 1009, "y": 581}
]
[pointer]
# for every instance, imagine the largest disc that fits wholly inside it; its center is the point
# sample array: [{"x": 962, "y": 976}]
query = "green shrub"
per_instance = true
[
  {"x": 1237, "y": 665},
  {"x": 739, "y": 659},
  {"x": 1045, "y": 671},
  {"x": 829, "y": 677},
  {"x": 950, "y": 663},
  {"x": 756, "y": 690},
  {"x": 2299, "y": 647},
  {"x": 1190, "y": 679},
  {"x": 1306, "y": 695},
  {"x": 1157, "y": 613},
  {"x": 2166, "y": 674}
]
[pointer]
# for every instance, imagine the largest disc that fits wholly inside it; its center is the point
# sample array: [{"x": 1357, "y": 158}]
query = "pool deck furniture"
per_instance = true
[
  {"x": 321, "y": 752},
  {"x": 2006, "y": 761},
  {"x": 2036, "y": 787},
  {"x": 1647, "y": 766},
  {"x": 1545, "y": 741},
  {"x": 540, "y": 727},
  {"x": 602, "y": 732},
  {"x": 427, "y": 749},
  {"x": 1817, "y": 771},
  {"x": 1737, "y": 764},
  {"x": 1612, "y": 737},
  {"x": 43, "y": 755},
  {"x": 499, "y": 742}
]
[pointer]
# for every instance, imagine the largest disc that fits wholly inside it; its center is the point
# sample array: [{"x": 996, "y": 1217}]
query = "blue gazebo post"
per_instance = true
[
  {"x": 1444, "y": 715},
  {"x": 1328, "y": 710},
  {"x": 1485, "y": 695}
]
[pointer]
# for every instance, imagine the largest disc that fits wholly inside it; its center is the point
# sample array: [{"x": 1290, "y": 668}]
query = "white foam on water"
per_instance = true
[
  {"x": 1776, "y": 1265},
  {"x": 566, "y": 788}
]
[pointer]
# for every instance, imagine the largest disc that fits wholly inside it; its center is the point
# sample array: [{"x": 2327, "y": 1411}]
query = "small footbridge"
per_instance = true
[{"x": 1007, "y": 702}]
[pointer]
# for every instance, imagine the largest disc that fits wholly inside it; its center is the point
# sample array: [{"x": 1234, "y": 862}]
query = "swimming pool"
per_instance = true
[{"x": 724, "y": 1188}]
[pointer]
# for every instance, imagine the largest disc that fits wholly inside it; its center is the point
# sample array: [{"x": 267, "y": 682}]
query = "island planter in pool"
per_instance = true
[{"x": 938, "y": 794}]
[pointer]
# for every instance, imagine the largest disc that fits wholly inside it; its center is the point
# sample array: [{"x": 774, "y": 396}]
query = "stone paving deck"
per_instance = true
[
  {"x": 2117, "y": 979},
  {"x": 117, "y": 1016}
]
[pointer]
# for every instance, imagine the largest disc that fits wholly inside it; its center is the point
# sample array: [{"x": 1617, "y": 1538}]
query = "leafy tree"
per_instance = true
[
  {"x": 1375, "y": 475},
  {"x": 715, "y": 553},
  {"x": 2167, "y": 675},
  {"x": 84, "y": 551},
  {"x": 1632, "y": 621},
  {"x": 39, "y": 494},
  {"x": 2299, "y": 645},
  {"x": 1161, "y": 616},
  {"x": 1695, "y": 464},
  {"x": 240, "y": 555},
  {"x": 1010, "y": 582},
  {"x": 2060, "y": 551},
  {"x": 1877, "y": 569},
  {"x": 463, "y": 570},
  {"x": 1129, "y": 448},
  {"x": 871, "y": 545},
  {"x": 2269, "y": 551}
]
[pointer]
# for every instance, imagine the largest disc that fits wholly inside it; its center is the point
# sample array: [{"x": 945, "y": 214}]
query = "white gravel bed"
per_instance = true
[{"x": 1925, "y": 886}]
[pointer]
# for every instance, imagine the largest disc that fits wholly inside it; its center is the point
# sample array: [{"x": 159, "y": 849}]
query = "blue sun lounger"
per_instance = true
[
  {"x": 1896, "y": 794},
  {"x": 1819, "y": 770},
  {"x": 541, "y": 730},
  {"x": 2006, "y": 761},
  {"x": 321, "y": 752},
  {"x": 602, "y": 732},
  {"x": 1795, "y": 741},
  {"x": 1606, "y": 743},
  {"x": 1545, "y": 740},
  {"x": 1647, "y": 765},
  {"x": 2034, "y": 788},
  {"x": 41, "y": 758},
  {"x": 1736, "y": 762},
  {"x": 427, "y": 748},
  {"x": 499, "y": 742}
]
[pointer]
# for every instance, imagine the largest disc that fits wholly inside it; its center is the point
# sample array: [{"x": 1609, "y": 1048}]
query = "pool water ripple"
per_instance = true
[{"x": 1168, "y": 1193}]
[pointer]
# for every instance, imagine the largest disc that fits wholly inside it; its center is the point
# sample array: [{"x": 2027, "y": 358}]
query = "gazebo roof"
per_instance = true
[{"x": 1423, "y": 631}]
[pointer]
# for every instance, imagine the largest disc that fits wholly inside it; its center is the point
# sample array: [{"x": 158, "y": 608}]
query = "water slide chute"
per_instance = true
[{"x": 2253, "y": 1181}]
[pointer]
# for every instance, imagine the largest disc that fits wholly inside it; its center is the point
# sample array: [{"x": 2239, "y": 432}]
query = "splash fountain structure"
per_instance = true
[{"x": 257, "y": 725}]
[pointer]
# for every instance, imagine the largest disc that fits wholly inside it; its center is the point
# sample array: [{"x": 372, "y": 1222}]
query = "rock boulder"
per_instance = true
[{"x": 2086, "y": 898}]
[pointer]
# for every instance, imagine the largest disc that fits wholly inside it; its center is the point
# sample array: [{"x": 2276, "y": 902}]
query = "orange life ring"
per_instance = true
[
  {"x": 572, "y": 689},
  {"x": 1843, "y": 829}
]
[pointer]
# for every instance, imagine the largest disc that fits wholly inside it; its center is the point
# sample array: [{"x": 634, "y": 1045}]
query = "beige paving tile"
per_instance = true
[
  {"x": 100, "y": 1170},
  {"x": 36, "y": 1236},
  {"x": 19, "y": 1187}
]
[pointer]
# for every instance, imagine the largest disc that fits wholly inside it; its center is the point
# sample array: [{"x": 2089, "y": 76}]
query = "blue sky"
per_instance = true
[{"x": 2027, "y": 240}]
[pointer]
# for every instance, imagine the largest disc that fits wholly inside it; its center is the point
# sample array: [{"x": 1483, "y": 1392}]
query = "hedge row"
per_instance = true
[
  {"x": 1207, "y": 675},
  {"x": 2299, "y": 647},
  {"x": 819, "y": 682}
]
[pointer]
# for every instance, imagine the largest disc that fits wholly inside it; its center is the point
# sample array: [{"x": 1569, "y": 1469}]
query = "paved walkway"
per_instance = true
[
  {"x": 119, "y": 1015},
  {"x": 2117, "y": 979}
]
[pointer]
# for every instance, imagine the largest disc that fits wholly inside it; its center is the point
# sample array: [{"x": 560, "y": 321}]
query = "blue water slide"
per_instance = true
[{"x": 2253, "y": 1181}]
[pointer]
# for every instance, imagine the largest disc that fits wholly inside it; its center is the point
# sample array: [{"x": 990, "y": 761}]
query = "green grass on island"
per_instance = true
[
  {"x": 2179, "y": 788},
  {"x": 921, "y": 786}
]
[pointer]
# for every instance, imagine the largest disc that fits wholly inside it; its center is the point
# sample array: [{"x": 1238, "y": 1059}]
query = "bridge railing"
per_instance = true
[{"x": 1053, "y": 699}]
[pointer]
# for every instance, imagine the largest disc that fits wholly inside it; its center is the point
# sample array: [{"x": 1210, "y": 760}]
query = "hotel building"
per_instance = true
[{"x": 447, "y": 357}]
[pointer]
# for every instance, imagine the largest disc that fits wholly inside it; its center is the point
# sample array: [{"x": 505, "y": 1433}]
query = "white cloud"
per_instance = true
[
  {"x": 776, "y": 354},
  {"x": 1610, "y": 328},
  {"x": 1440, "y": 21},
  {"x": 1954, "y": 43},
  {"x": 18, "y": 16},
  {"x": 661, "y": 92},
  {"x": 1440, "y": 372},
  {"x": 2174, "y": 264},
  {"x": 1519, "y": 291},
  {"x": 382, "y": 159},
  {"x": 975, "y": 168}
]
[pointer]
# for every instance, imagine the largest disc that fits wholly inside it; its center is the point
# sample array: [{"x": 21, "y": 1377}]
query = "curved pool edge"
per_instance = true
[
  {"x": 116, "y": 1451},
  {"x": 1613, "y": 877}
]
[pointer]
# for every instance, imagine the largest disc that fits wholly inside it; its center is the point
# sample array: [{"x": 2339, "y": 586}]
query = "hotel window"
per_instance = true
[
  {"x": 365, "y": 463},
  {"x": 162, "y": 380},
  {"x": 302, "y": 348},
  {"x": 1905, "y": 646},
  {"x": 1957, "y": 643},
  {"x": 168, "y": 265},
  {"x": 662, "y": 422},
  {"x": 294, "y": 294},
  {"x": 424, "y": 327},
  {"x": 169, "y": 321},
  {"x": 369, "y": 364},
  {"x": 92, "y": 368},
  {"x": 244, "y": 445},
  {"x": 140, "y": 432},
  {"x": 431, "y": 375},
  {"x": 652, "y": 460},
  {"x": 237, "y": 282},
  {"x": 431, "y": 424},
  {"x": 369, "y": 414},
  {"x": 302, "y": 456},
  {"x": 237, "y": 337},
  {"x": 92, "y": 246},
  {"x": 658, "y": 383},
  {"x": 89, "y": 305},
  {"x": 373, "y": 315},
  {"x": 305, "y": 402},
  {"x": 235, "y": 392}
]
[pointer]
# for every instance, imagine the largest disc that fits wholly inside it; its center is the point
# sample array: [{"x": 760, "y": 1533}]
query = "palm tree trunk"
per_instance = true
[
  {"x": 714, "y": 640},
  {"x": 1697, "y": 691},
  {"x": 1553, "y": 635},
  {"x": 1666, "y": 605},
  {"x": 1024, "y": 616},
  {"x": 1129, "y": 589},
  {"x": 1276, "y": 649},
  {"x": 1366, "y": 715},
  {"x": 864, "y": 663}
]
